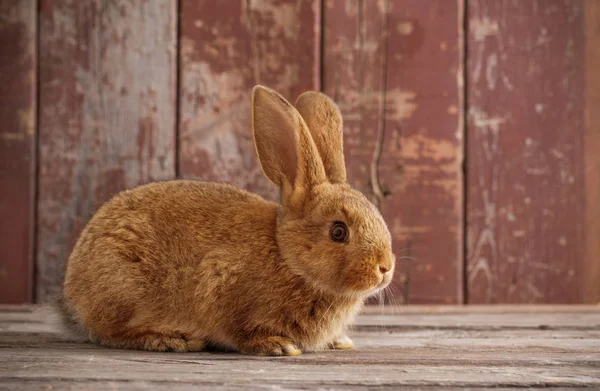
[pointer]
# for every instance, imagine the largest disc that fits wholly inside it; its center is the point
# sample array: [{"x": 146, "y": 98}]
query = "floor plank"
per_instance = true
[{"x": 409, "y": 352}]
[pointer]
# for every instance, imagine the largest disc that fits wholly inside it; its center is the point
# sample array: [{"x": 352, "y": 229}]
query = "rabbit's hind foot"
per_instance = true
[
  {"x": 157, "y": 342},
  {"x": 270, "y": 346}
]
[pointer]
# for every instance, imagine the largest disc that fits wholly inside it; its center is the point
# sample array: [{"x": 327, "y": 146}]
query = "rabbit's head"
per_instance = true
[{"x": 327, "y": 233}]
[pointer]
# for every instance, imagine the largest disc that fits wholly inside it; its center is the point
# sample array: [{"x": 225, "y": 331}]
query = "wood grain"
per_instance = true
[
  {"x": 526, "y": 179},
  {"x": 224, "y": 52},
  {"x": 18, "y": 62},
  {"x": 395, "y": 69},
  {"x": 591, "y": 286},
  {"x": 34, "y": 355},
  {"x": 107, "y": 113}
]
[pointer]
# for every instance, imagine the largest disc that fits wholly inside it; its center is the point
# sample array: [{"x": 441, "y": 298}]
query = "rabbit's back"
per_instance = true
[{"x": 148, "y": 252}]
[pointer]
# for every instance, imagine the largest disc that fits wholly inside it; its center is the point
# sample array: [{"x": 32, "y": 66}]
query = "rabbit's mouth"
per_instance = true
[
  {"x": 364, "y": 283},
  {"x": 385, "y": 281}
]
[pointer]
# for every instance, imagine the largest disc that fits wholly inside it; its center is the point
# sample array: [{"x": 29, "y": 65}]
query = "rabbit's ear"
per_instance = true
[
  {"x": 324, "y": 120},
  {"x": 287, "y": 153}
]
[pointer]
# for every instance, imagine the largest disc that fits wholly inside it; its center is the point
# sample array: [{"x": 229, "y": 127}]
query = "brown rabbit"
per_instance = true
[{"x": 182, "y": 265}]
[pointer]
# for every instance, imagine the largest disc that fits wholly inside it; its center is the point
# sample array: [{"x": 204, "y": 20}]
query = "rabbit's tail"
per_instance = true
[
  {"x": 63, "y": 319},
  {"x": 68, "y": 320}
]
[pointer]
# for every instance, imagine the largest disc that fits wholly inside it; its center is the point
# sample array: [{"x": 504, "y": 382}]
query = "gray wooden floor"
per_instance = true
[{"x": 420, "y": 347}]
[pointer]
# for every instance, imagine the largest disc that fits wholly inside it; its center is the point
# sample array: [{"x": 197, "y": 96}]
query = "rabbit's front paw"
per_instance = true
[
  {"x": 270, "y": 346},
  {"x": 195, "y": 345},
  {"x": 342, "y": 343}
]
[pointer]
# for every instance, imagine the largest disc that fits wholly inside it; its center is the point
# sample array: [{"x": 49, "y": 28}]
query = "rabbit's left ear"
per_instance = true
[
  {"x": 324, "y": 121},
  {"x": 285, "y": 148}
]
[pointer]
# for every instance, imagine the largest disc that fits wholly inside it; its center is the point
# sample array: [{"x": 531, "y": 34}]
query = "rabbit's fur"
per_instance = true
[{"x": 182, "y": 265}]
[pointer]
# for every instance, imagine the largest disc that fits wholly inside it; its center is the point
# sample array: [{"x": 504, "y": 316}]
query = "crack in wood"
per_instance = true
[
  {"x": 408, "y": 267},
  {"x": 255, "y": 61},
  {"x": 376, "y": 185}
]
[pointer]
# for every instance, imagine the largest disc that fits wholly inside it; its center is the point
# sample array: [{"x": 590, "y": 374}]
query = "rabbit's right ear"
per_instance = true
[
  {"x": 286, "y": 151},
  {"x": 324, "y": 121}
]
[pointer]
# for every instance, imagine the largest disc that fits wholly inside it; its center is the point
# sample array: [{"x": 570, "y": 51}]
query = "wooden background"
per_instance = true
[{"x": 474, "y": 125}]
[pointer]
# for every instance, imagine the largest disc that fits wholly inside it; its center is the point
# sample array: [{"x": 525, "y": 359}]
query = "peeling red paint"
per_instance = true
[
  {"x": 107, "y": 113},
  {"x": 590, "y": 287},
  {"x": 17, "y": 149},
  {"x": 525, "y": 172}
]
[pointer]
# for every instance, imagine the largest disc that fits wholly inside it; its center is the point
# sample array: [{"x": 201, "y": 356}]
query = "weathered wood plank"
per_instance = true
[
  {"x": 510, "y": 346},
  {"x": 591, "y": 286},
  {"x": 107, "y": 113},
  {"x": 18, "y": 62},
  {"x": 482, "y": 310},
  {"x": 377, "y": 362},
  {"x": 384, "y": 366},
  {"x": 545, "y": 321},
  {"x": 395, "y": 68},
  {"x": 30, "y": 385},
  {"x": 526, "y": 176},
  {"x": 438, "y": 358},
  {"x": 43, "y": 319},
  {"x": 224, "y": 52},
  {"x": 13, "y": 310}
]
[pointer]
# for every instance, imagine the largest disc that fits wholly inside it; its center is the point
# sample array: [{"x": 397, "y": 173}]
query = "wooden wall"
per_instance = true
[
  {"x": 18, "y": 133},
  {"x": 532, "y": 136},
  {"x": 473, "y": 125}
]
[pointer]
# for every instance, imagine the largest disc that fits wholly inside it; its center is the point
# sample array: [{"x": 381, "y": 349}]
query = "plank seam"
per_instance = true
[
  {"x": 36, "y": 158},
  {"x": 320, "y": 51},
  {"x": 178, "y": 91},
  {"x": 464, "y": 5}
]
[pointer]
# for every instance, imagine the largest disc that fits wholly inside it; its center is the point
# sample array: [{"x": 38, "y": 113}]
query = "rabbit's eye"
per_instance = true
[{"x": 339, "y": 232}]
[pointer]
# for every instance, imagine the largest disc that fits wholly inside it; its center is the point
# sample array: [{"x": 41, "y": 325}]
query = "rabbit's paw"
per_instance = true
[
  {"x": 342, "y": 343},
  {"x": 174, "y": 343},
  {"x": 270, "y": 346},
  {"x": 195, "y": 345},
  {"x": 158, "y": 342}
]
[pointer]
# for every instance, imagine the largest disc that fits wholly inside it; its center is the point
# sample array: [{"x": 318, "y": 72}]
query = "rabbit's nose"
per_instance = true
[{"x": 383, "y": 269}]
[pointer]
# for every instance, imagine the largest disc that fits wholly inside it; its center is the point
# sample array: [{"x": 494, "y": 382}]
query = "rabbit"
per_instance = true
[{"x": 185, "y": 265}]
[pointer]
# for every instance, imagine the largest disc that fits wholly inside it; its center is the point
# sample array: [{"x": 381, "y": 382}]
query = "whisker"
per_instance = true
[
  {"x": 398, "y": 297},
  {"x": 381, "y": 298},
  {"x": 320, "y": 322},
  {"x": 392, "y": 298},
  {"x": 409, "y": 248}
]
